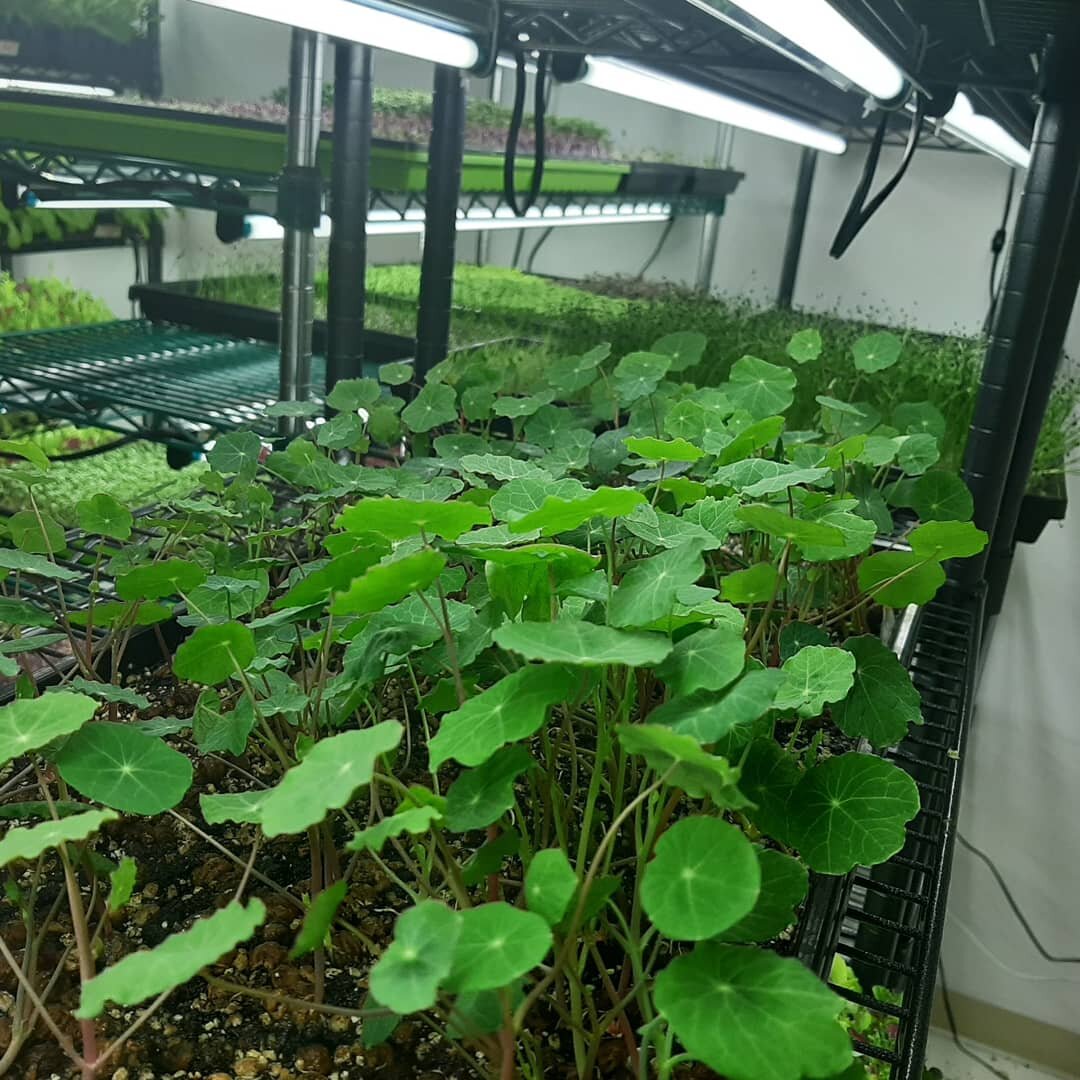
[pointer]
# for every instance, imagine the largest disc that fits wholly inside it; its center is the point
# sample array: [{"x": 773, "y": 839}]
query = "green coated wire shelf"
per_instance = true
[{"x": 168, "y": 383}]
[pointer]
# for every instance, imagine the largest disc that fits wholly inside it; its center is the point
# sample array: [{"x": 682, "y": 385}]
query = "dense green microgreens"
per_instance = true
[
  {"x": 121, "y": 20},
  {"x": 594, "y": 684},
  {"x": 45, "y": 303}
]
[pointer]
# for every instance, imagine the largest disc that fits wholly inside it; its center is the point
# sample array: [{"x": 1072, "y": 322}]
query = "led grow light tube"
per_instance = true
[
  {"x": 816, "y": 27},
  {"x": 630, "y": 80},
  {"x": 34, "y": 202},
  {"x": 56, "y": 87},
  {"x": 366, "y": 25},
  {"x": 984, "y": 133},
  {"x": 391, "y": 223}
]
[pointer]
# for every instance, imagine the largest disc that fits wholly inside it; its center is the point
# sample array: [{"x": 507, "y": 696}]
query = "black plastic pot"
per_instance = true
[
  {"x": 656, "y": 178},
  {"x": 80, "y": 55},
  {"x": 179, "y": 302},
  {"x": 1037, "y": 510},
  {"x": 714, "y": 183}
]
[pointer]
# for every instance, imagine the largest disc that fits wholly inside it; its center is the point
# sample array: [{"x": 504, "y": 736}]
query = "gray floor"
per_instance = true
[{"x": 943, "y": 1054}]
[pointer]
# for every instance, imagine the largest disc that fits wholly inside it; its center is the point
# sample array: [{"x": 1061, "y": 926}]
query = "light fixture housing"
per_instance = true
[
  {"x": 355, "y": 21},
  {"x": 820, "y": 31},
  {"x": 643, "y": 84},
  {"x": 40, "y": 87},
  {"x": 985, "y": 133}
]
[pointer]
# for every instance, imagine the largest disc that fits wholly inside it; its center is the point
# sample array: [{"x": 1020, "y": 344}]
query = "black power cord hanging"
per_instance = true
[
  {"x": 517, "y": 118},
  {"x": 860, "y": 211},
  {"x": 544, "y": 236},
  {"x": 670, "y": 224},
  {"x": 960, "y": 1045},
  {"x": 997, "y": 246}
]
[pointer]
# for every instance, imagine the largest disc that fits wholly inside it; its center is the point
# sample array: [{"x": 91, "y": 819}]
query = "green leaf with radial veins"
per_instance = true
[
  {"x": 318, "y": 918},
  {"x": 707, "y": 718},
  {"x": 520, "y": 497},
  {"x": 584, "y": 644},
  {"x": 395, "y": 374},
  {"x": 436, "y": 404},
  {"x": 349, "y": 395},
  {"x": 943, "y": 540},
  {"x": 170, "y": 577},
  {"x": 798, "y": 635},
  {"x": 898, "y": 578},
  {"x": 752, "y": 438},
  {"x": 769, "y": 778},
  {"x": 23, "y": 614},
  {"x": 749, "y": 1014},
  {"x": 108, "y": 692},
  {"x": 845, "y": 451},
  {"x": 557, "y": 515},
  {"x": 559, "y": 560},
  {"x": 782, "y": 526},
  {"x": 917, "y": 453},
  {"x": 880, "y": 450},
  {"x": 716, "y": 516},
  {"x": 238, "y": 452},
  {"x": 149, "y": 972},
  {"x": 480, "y": 796},
  {"x": 245, "y": 806},
  {"x": 648, "y": 590},
  {"x": 407, "y": 976},
  {"x": 568, "y": 374},
  {"x": 761, "y": 388},
  {"x": 851, "y": 811},
  {"x": 517, "y": 407},
  {"x": 685, "y": 347},
  {"x": 414, "y": 821},
  {"x": 920, "y": 418},
  {"x": 104, "y": 516},
  {"x": 28, "y": 724},
  {"x": 214, "y": 653},
  {"x": 751, "y": 586},
  {"x": 698, "y": 773},
  {"x": 663, "y": 449},
  {"x": 703, "y": 878},
  {"x": 116, "y": 764},
  {"x": 706, "y": 660},
  {"x": 758, "y": 476},
  {"x": 665, "y": 530},
  {"x": 942, "y": 496},
  {"x": 514, "y": 708},
  {"x": 883, "y": 701},
  {"x": 498, "y": 943},
  {"x": 216, "y": 730},
  {"x": 399, "y": 519},
  {"x": 858, "y": 532},
  {"x": 550, "y": 885},
  {"x": 638, "y": 374},
  {"x": 341, "y": 432},
  {"x": 29, "y": 843},
  {"x": 814, "y": 676},
  {"x": 805, "y": 346},
  {"x": 503, "y": 468},
  {"x": 35, "y": 565},
  {"x": 335, "y": 577},
  {"x": 388, "y": 583},
  {"x": 549, "y": 424},
  {"x": 784, "y": 884},
  {"x": 876, "y": 352},
  {"x": 326, "y": 779},
  {"x": 692, "y": 419},
  {"x": 36, "y": 533}
]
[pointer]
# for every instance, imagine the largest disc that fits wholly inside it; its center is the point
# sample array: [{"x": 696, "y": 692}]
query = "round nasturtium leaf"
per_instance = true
[
  {"x": 29, "y": 843},
  {"x": 784, "y": 882},
  {"x": 396, "y": 373},
  {"x": 685, "y": 347},
  {"x": 703, "y": 878},
  {"x": 498, "y": 943},
  {"x": 805, "y": 346},
  {"x": 348, "y": 395},
  {"x": 481, "y": 796},
  {"x": 104, "y": 516},
  {"x": 387, "y": 583},
  {"x": 751, "y": 586},
  {"x": 783, "y": 526},
  {"x": 941, "y": 540},
  {"x": 638, "y": 374},
  {"x": 399, "y": 519},
  {"x": 36, "y": 533},
  {"x": 761, "y": 388},
  {"x": 883, "y": 701},
  {"x": 917, "y": 453},
  {"x": 119, "y": 766},
  {"x": 707, "y": 717},
  {"x": 582, "y": 644},
  {"x": 170, "y": 577},
  {"x": 815, "y": 675},
  {"x": 436, "y": 404},
  {"x": 851, "y": 811},
  {"x": 920, "y": 418},
  {"x": 706, "y": 660},
  {"x": 214, "y": 653},
  {"x": 238, "y": 452},
  {"x": 684, "y": 762},
  {"x": 407, "y": 977},
  {"x": 942, "y": 496},
  {"x": 749, "y": 1014},
  {"x": 898, "y": 578},
  {"x": 876, "y": 352},
  {"x": 550, "y": 885},
  {"x": 30, "y": 723},
  {"x": 768, "y": 777}
]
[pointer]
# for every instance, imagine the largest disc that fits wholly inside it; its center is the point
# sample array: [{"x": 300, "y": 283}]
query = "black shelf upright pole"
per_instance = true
[
  {"x": 349, "y": 197},
  {"x": 443, "y": 192},
  {"x": 299, "y": 212},
  {"x": 1016, "y": 347},
  {"x": 804, "y": 186}
]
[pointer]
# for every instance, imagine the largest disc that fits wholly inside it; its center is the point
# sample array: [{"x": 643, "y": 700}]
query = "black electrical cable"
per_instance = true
[
  {"x": 656, "y": 251},
  {"x": 517, "y": 118},
  {"x": 955, "y": 1032},
  {"x": 997, "y": 246},
  {"x": 539, "y": 244},
  {"x": 991, "y": 866},
  {"x": 860, "y": 211}
]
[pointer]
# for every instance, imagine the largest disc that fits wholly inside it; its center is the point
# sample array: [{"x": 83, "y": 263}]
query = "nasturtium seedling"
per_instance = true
[
  {"x": 806, "y": 345},
  {"x": 685, "y": 347},
  {"x": 497, "y": 944},
  {"x": 480, "y": 796},
  {"x": 215, "y": 653},
  {"x": 682, "y": 759},
  {"x": 399, "y": 519},
  {"x": 435, "y": 405},
  {"x": 550, "y": 885},
  {"x": 103, "y": 515},
  {"x": 419, "y": 959},
  {"x": 29, "y": 843},
  {"x": 898, "y": 578},
  {"x": 28, "y": 724},
  {"x": 814, "y": 677},
  {"x": 942, "y": 496},
  {"x": 36, "y": 533},
  {"x": 876, "y": 352},
  {"x": 941, "y": 540},
  {"x": 753, "y": 585},
  {"x": 237, "y": 453},
  {"x": 761, "y": 388},
  {"x": 710, "y": 659},
  {"x": 169, "y": 577},
  {"x": 582, "y": 644},
  {"x": 882, "y": 702},
  {"x": 784, "y": 884}
]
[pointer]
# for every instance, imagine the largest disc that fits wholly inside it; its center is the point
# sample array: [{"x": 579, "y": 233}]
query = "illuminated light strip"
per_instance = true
[
  {"x": 984, "y": 133},
  {"x": 630, "y": 80},
  {"x": 56, "y": 87},
  {"x": 35, "y": 203},
  {"x": 366, "y": 25}
]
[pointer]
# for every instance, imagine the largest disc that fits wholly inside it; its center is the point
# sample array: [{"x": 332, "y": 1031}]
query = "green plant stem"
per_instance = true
[{"x": 763, "y": 621}]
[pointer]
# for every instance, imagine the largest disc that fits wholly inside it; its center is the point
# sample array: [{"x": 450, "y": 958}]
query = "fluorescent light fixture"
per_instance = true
[
  {"x": 96, "y": 204},
  {"x": 56, "y": 87},
  {"x": 816, "y": 27},
  {"x": 366, "y": 25},
  {"x": 478, "y": 219},
  {"x": 630, "y": 80},
  {"x": 984, "y": 133}
]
